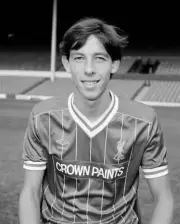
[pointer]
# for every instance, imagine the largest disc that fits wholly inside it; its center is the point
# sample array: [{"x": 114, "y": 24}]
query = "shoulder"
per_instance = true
[
  {"x": 50, "y": 105},
  {"x": 136, "y": 110}
]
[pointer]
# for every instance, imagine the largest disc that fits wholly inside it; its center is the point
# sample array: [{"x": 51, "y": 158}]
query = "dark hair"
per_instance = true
[{"x": 77, "y": 35}]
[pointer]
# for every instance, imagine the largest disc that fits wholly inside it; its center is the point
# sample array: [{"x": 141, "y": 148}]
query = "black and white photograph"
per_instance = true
[{"x": 89, "y": 112}]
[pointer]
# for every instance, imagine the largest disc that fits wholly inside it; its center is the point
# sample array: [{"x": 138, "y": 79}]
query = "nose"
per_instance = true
[{"x": 89, "y": 68}]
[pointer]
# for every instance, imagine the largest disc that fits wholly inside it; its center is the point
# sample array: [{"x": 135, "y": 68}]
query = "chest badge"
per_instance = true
[
  {"x": 120, "y": 150},
  {"x": 62, "y": 144}
]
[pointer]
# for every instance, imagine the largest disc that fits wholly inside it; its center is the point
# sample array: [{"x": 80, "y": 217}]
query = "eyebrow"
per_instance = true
[{"x": 95, "y": 54}]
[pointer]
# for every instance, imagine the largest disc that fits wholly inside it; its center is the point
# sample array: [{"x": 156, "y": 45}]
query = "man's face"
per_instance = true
[{"x": 90, "y": 67}]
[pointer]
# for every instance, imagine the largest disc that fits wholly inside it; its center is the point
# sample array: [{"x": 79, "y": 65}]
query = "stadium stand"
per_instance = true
[
  {"x": 144, "y": 66},
  {"x": 163, "y": 91},
  {"x": 18, "y": 85},
  {"x": 130, "y": 81},
  {"x": 169, "y": 67},
  {"x": 38, "y": 60},
  {"x": 126, "y": 63}
]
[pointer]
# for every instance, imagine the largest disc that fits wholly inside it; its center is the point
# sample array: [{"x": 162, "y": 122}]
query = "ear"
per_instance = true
[
  {"x": 115, "y": 66},
  {"x": 65, "y": 63}
]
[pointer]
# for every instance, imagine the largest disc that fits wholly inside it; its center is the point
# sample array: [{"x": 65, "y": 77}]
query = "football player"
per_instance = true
[{"x": 86, "y": 150}]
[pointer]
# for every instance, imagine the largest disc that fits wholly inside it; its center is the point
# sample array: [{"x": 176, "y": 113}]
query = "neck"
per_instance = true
[{"x": 92, "y": 109}]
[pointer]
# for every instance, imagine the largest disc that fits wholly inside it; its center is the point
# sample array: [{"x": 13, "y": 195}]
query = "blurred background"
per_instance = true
[
  {"x": 151, "y": 25},
  {"x": 149, "y": 73}
]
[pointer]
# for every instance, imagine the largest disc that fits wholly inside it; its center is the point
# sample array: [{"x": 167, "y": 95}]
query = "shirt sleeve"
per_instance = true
[
  {"x": 34, "y": 154},
  {"x": 155, "y": 158}
]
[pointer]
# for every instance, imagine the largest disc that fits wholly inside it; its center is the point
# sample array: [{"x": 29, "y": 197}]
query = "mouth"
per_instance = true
[{"x": 92, "y": 82}]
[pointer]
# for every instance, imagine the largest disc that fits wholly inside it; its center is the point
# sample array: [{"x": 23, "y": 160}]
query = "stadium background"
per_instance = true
[{"x": 150, "y": 73}]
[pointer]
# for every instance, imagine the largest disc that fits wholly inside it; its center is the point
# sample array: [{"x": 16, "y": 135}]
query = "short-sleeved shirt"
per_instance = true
[{"x": 92, "y": 169}]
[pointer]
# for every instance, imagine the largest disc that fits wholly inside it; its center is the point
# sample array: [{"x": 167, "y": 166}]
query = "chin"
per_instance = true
[{"x": 92, "y": 97}]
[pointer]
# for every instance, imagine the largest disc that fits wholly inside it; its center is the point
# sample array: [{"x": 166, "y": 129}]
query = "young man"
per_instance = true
[{"x": 86, "y": 151}]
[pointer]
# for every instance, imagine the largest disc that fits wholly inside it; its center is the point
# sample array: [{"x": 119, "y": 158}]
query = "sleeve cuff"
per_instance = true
[
  {"x": 155, "y": 172},
  {"x": 30, "y": 165}
]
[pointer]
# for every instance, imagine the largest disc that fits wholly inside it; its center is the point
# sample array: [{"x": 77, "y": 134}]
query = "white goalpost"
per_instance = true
[
  {"x": 54, "y": 40},
  {"x": 54, "y": 45},
  {"x": 52, "y": 73}
]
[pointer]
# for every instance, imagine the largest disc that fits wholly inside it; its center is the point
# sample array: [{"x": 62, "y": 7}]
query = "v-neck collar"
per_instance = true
[{"x": 93, "y": 128}]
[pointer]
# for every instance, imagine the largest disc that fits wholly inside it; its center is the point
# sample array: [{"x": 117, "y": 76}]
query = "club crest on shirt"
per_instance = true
[
  {"x": 62, "y": 144},
  {"x": 120, "y": 150}
]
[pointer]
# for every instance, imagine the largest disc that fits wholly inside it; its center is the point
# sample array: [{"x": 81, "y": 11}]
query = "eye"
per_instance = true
[
  {"x": 99, "y": 58},
  {"x": 78, "y": 58}
]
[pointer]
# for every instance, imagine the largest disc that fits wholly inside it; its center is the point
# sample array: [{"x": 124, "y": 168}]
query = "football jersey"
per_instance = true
[{"x": 92, "y": 168}]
